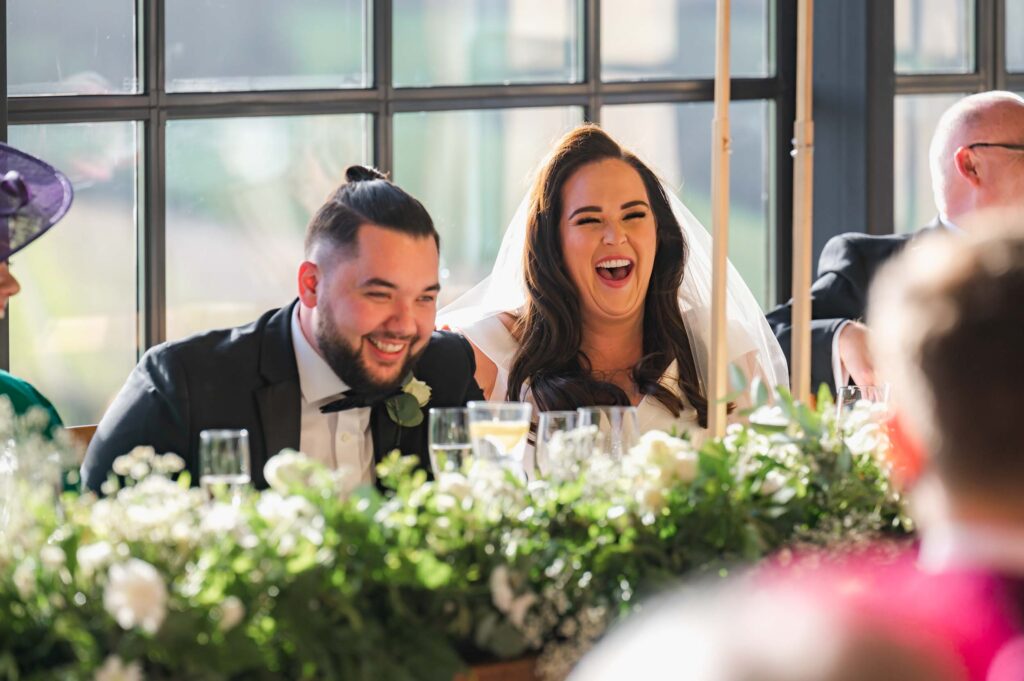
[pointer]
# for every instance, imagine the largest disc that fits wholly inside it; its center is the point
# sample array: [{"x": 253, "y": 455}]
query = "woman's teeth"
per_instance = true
[{"x": 614, "y": 269}]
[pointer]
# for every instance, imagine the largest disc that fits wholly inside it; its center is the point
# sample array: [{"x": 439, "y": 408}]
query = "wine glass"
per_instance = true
[
  {"x": 224, "y": 462},
  {"x": 618, "y": 428},
  {"x": 849, "y": 395},
  {"x": 549, "y": 424},
  {"x": 498, "y": 432},
  {"x": 448, "y": 439}
]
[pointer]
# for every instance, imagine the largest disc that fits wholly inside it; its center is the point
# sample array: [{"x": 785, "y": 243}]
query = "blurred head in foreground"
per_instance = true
[
  {"x": 949, "y": 315},
  {"x": 782, "y": 631}
]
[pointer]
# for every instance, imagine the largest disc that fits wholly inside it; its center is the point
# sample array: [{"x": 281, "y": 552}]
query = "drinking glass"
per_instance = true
[
  {"x": 224, "y": 462},
  {"x": 498, "y": 432},
  {"x": 448, "y": 439},
  {"x": 617, "y": 427},
  {"x": 549, "y": 424},
  {"x": 850, "y": 395}
]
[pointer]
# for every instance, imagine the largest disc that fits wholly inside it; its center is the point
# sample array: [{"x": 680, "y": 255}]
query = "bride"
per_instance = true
[{"x": 601, "y": 292}]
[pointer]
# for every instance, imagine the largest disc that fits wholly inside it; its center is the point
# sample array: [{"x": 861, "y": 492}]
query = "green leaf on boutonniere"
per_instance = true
[{"x": 404, "y": 409}]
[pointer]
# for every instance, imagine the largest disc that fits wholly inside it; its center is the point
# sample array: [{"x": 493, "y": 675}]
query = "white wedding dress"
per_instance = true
[{"x": 491, "y": 338}]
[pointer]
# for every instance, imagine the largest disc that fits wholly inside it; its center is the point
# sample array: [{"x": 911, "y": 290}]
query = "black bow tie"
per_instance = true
[{"x": 351, "y": 399}]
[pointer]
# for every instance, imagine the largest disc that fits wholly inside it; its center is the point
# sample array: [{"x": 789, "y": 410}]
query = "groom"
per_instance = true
[{"x": 326, "y": 373}]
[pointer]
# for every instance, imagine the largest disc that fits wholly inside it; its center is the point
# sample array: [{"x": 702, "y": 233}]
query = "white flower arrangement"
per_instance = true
[{"x": 510, "y": 567}]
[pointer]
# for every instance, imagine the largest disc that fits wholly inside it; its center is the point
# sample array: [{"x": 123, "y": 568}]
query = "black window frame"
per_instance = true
[{"x": 154, "y": 107}]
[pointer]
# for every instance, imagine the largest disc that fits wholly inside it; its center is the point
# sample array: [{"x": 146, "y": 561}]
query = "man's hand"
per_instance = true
[{"x": 854, "y": 353}]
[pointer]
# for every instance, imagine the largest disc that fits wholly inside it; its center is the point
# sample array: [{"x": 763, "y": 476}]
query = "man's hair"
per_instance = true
[
  {"x": 367, "y": 197},
  {"x": 947, "y": 320}
]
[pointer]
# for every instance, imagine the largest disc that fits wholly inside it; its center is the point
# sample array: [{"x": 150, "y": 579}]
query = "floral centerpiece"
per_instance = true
[{"x": 314, "y": 580}]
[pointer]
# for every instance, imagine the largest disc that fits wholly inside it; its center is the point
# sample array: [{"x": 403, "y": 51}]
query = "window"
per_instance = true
[
  {"x": 945, "y": 49},
  {"x": 200, "y": 136}
]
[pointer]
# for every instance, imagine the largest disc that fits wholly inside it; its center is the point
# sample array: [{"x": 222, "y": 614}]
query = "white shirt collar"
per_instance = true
[{"x": 317, "y": 380}]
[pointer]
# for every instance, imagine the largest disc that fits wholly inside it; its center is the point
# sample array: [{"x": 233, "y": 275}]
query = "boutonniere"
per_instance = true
[{"x": 406, "y": 408}]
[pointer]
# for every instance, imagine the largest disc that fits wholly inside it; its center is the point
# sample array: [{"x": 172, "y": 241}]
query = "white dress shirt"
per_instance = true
[{"x": 337, "y": 440}]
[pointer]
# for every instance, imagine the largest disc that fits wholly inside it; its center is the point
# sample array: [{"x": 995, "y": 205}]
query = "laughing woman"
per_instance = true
[{"x": 601, "y": 296}]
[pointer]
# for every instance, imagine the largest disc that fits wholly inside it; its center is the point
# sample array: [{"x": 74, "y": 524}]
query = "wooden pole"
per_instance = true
[
  {"x": 718, "y": 386},
  {"x": 803, "y": 203}
]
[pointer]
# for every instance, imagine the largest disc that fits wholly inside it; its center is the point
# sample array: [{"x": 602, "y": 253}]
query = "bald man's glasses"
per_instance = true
[{"x": 1014, "y": 147}]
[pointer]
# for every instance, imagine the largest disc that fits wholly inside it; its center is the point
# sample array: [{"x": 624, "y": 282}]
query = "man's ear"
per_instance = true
[
  {"x": 309, "y": 279},
  {"x": 966, "y": 164}
]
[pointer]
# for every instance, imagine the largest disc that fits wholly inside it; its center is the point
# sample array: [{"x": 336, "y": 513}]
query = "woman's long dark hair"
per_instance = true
[{"x": 549, "y": 328}]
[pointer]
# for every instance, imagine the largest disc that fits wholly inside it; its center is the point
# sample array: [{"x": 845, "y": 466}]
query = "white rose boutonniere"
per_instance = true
[{"x": 406, "y": 408}]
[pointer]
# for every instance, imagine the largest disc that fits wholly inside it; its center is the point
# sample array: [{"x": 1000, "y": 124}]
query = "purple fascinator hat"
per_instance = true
[{"x": 33, "y": 197}]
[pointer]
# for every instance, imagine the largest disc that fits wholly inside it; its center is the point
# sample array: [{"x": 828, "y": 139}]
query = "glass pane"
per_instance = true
[
  {"x": 935, "y": 36},
  {"x": 239, "y": 195},
  {"x": 470, "y": 42},
  {"x": 73, "y": 326},
  {"x": 471, "y": 169},
  {"x": 218, "y": 45},
  {"x": 676, "y": 39},
  {"x": 56, "y": 47},
  {"x": 675, "y": 140},
  {"x": 916, "y": 118},
  {"x": 1014, "y": 29}
]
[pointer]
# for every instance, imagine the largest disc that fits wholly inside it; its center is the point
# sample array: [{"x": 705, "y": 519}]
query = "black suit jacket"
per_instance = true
[
  {"x": 847, "y": 266},
  {"x": 246, "y": 377}
]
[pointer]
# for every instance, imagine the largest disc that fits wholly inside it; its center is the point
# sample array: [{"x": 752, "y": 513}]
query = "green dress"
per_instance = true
[{"x": 23, "y": 396}]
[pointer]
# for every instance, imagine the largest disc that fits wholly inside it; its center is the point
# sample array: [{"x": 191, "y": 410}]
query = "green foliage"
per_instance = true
[{"x": 314, "y": 580}]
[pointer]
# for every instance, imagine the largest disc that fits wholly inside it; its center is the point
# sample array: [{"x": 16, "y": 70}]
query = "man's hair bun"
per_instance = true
[{"x": 363, "y": 174}]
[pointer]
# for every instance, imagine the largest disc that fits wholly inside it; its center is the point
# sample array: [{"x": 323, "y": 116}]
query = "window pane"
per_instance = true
[
  {"x": 73, "y": 326},
  {"x": 56, "y": 47},
  {"x": 218, "y": 45},
  {"x": 916, "y": 118},
  {"x": 1014, "y": 29},
  {"x": 676, "y": 39},
  {"x": 470, "y": 42},
  {"x": 471, "y": 169},
  {"x": 675, "y": 140},
  {"x": 935, "y": 36},
  {"x": 239, "y": 195}
]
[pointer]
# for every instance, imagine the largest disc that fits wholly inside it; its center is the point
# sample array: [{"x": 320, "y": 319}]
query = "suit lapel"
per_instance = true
[{"x": 279, "y": 400}]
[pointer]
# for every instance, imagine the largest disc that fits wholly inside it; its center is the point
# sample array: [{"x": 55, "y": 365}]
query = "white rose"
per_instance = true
[
  {"x": 290, "y": 469},
  {"x": 136, "y": 595},
  {"x": 501, "y": 589},
  {"x": 773, "y": 482},
  {"x": 651, "y": 497},
  {"x": 25, "y": 578},
  {"x": 455, "y": 485},
  {"x": 114, "y": 669},
  {"x": 231, "y": 613},
  {"x": 220, "y": 519},
  {"x": 686, "y": 466},
  {"x": 92, "y": 557},
  {"x": 52, "y": 557},
  {"x": 419, "y": 390}
]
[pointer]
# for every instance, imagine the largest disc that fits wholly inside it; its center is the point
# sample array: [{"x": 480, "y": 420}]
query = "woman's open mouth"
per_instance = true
[{"x": 615, "y": 271}]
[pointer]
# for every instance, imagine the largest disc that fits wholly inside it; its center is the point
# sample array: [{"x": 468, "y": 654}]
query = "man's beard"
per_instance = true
[{"x": 348, "y": 363}]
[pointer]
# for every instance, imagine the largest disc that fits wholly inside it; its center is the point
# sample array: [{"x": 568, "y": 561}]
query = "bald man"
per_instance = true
[{"x": 976, "y": 162}]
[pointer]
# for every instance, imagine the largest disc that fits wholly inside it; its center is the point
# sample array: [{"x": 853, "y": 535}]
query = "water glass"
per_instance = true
[
  {"x": 550, "y": 424},
  {"x": 618, "y": 428},
  {"x": 224, "y": 461},
  {"x": 498, "y": 432},
  {"x": 850, "y": 395},
  {"x": 448, "y": 439}
]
